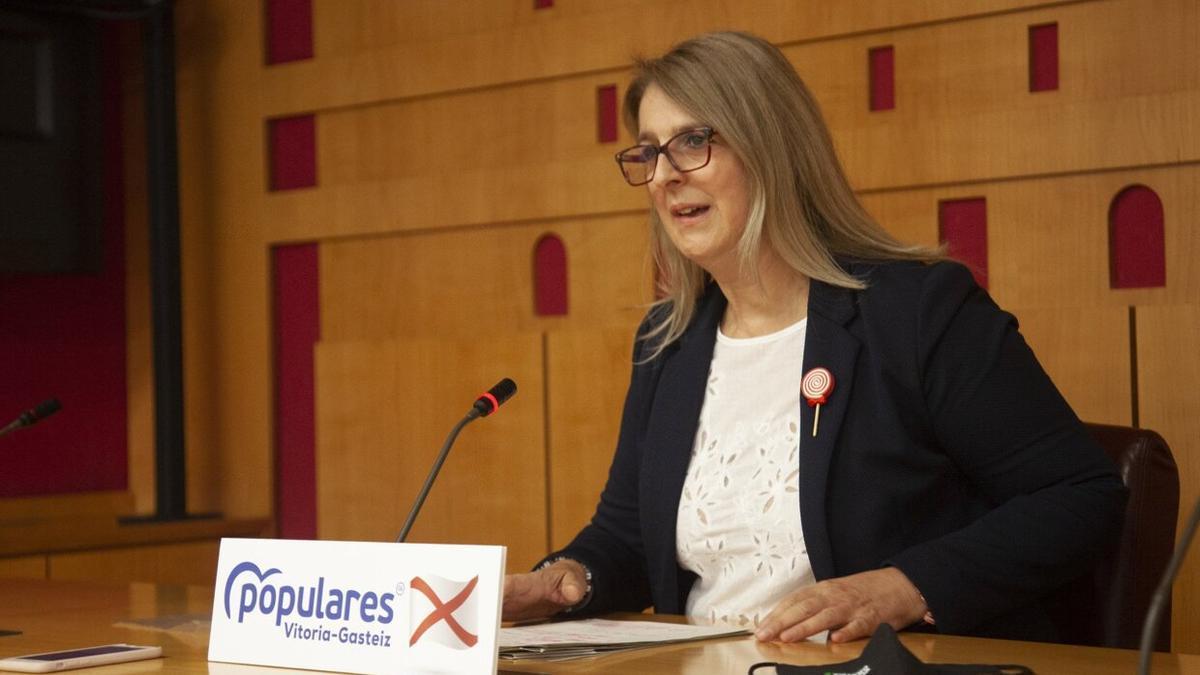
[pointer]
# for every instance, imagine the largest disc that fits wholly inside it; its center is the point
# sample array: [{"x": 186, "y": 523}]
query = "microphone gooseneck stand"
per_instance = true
[
  {"x": 485, "y": 405},
  {"x": 437, "y": 466},
  {"x": 1154, "y": 614}
]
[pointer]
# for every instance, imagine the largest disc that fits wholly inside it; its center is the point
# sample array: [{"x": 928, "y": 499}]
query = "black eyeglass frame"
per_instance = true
[{"x": 661, "y": 149}]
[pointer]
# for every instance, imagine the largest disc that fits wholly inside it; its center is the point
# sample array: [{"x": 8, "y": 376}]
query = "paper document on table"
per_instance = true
[{"x": 589, "y": 637}]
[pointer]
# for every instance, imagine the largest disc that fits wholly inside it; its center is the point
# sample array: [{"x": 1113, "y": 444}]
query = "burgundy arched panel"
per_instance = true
[
  {"x": 63, "y": 335},
  {"x": 962, "y": 225},
  {"x": 1136, "y": 249},
  {"x": 550, "y": 276}
]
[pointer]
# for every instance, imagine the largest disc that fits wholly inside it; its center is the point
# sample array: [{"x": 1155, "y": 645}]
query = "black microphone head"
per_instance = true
[
  {"x": 495, "y": 397},
  {"x": 503, "y": 390},
  {"x": 46, "y": 408}
]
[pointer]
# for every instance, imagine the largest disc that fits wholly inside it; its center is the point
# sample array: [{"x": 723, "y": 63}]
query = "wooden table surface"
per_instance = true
[{"x": 60, "y": 615}]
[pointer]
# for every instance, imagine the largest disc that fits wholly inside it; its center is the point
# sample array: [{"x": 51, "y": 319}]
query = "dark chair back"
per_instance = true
[{"x": 1108, "y": 607}]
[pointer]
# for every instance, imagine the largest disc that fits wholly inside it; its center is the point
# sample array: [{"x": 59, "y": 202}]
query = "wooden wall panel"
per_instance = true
[
  {"x": 188, "y": 563},
  {"x": 484, "y": 79},
  {"x": 502, "y": 129},
  {"x": 434, "y": 162},
  {"x": 547, "y": 190},
  {"x": 1086, "y": 352},
  {"x": 383, "y": 411},
  {"x": 479, "y": 282},
  {"x": 1048, "y": 237},
  {"x": 367, "y": 25},
  {"x": 364, "y": 65},
  {"x": 963, "y": 113},
  {"x": 204, "y": 467},
  {"x": 963, "y": 110},
  {"x": 226, "y": 306},
  {"x": 1168, "y": 345},
  {"x": 139, "y": 361},
  {"x": 587, "y": 376},
  {"x": 27, "y": 567},
  {"x": 93, "y": 504}
]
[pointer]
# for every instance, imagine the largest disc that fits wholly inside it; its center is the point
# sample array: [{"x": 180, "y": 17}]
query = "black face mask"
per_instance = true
[{"x": 885, "y": 655}]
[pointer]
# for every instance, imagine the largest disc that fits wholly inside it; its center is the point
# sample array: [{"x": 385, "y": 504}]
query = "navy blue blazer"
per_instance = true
[{"x": 944, "y": 450}]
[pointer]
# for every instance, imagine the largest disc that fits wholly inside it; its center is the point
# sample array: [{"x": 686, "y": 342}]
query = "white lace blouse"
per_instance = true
[{"x": 738, "y": 525}]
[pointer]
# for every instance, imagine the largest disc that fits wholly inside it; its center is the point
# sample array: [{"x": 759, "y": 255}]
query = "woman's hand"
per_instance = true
[
  {"x": 851, "y": 607},
  {"x": 543, "y": 593}
]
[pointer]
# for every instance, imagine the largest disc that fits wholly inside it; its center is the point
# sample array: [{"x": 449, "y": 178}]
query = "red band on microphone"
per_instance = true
[{"x": 488, "y": 396}]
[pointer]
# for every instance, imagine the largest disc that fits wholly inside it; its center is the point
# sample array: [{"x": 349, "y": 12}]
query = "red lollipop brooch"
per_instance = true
[{"x": 816, "y": 386}]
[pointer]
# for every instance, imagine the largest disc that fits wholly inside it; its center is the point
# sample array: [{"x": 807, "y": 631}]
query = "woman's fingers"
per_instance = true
[
  {"x": 543, "y": 593},
  {"x": 851, "y": 607}
]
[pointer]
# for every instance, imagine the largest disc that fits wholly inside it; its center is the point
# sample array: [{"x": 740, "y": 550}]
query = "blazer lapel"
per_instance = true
[
  {"x": 670, "y": 438},
  {"x": 827, "y": 345}
]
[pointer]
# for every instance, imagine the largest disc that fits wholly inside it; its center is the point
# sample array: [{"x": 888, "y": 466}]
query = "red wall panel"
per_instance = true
[
  {"x": 1043, "y": 57},
  {"x": 297, "y": 328},
  {"x": 64, "y": 336},
  {"x": 1137, "y": 248},
  {"x": 962, "y": 225},
  {"x": 292, "y": 143},
  {"x": 606, "y": 113},
  {"x": 550, "y": 276},
  {"x": 289, "y": 30},
  {"x": 882, "y": 71}
]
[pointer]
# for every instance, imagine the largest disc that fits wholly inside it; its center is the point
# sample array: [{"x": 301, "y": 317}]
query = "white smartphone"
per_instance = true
[{"x": 79, "y": 658}]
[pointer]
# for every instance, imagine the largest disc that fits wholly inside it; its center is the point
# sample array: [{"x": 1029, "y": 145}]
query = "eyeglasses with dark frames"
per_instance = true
[{"x": 686, "y": 151}]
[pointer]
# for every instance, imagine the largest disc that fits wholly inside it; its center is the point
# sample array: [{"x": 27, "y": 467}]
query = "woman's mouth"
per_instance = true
[{"x": 687, "y": 211}]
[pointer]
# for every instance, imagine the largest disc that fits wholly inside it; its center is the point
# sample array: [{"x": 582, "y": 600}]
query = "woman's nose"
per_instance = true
[{"x": 665, "y": 172}]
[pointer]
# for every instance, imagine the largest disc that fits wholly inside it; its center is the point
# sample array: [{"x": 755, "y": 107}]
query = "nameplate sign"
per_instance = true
[{"x": 357, "y": 607}]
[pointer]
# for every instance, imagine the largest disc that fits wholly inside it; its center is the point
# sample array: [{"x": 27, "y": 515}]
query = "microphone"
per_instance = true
[
  {"x": 495, "y": 397},
  {"x": 1163, "y": 592},
  {"x": 43, "y": 410},
  {"x": 487, "y": 403}
]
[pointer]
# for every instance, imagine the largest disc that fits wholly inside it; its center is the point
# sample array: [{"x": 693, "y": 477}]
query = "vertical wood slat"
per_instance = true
[
  {"x": 587, "y": 373},
  {"x": 1168, "y": 342}
]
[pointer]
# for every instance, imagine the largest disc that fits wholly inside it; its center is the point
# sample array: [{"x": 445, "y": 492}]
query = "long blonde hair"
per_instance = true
[{"x": 802, "y": 206}]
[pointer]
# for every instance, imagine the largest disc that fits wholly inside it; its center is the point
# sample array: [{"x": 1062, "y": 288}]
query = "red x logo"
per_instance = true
[{"x": 444, "y": 612}]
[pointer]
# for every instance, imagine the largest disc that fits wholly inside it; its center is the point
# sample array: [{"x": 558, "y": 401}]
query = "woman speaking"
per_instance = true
[{"x": 825, "y": 429}]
